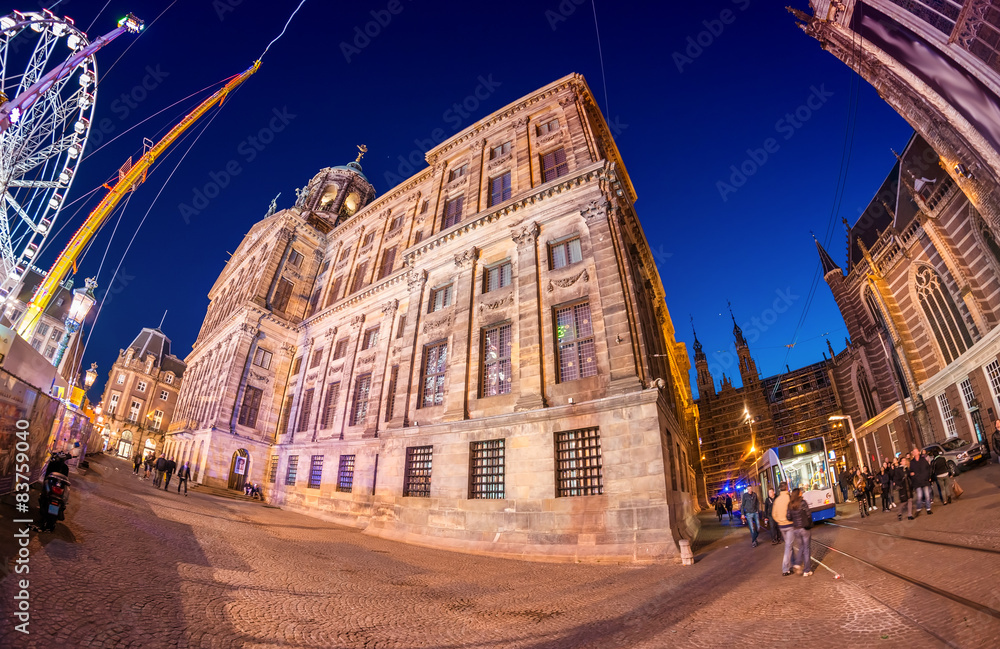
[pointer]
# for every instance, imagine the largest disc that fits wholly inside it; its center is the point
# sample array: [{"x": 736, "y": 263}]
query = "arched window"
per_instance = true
[
  {"x": 873, "y": 308},
  {"x": 945, "y": 321},
  {"x": 866, "y": 394}
]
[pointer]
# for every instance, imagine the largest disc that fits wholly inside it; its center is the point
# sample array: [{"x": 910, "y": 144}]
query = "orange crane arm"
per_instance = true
[{"x": 66, "y": 260}]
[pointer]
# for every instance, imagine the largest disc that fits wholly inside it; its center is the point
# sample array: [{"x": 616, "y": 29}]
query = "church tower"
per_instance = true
[
  {"x": 706, "y": 384},
  {"x": 748, "y": 369}
]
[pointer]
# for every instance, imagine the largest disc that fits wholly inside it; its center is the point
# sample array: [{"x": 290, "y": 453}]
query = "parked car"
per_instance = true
[{"x": 960, "y": 453}]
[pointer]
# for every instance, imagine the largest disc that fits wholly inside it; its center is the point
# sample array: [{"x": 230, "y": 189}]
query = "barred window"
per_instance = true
[
  {"x": 306, "y": 408},
  {"x": 435, "y": 365},
  {"x": 499, "y": 189},
  {"x": 250, "y": 407},
  {"x": 565, "y": 253},
  {"x": 316, "y": 472},
  {"x": 497, "y": 277},
  {"x": 332, "y": 392},
  {"x": 486, "y": 474},
  {"x": 441, "y": 297},
  {"x": 417, "y": 480},
  {"x": 554, "y": 165},
  {"x": 272, "y": 471},
  {"x": 578, "y": 463},
  {"x": 345, "y": 475},
  {"x": 293, "y": 469},
  {"x": 496, "y": 360},
  {"x": 340, "y": 350},
  {"x": 575, "y": 337},
  {"x": 361, "y": 389},
  {"x": 453, "y": 211},
  {"x": 370, "y": 339}
]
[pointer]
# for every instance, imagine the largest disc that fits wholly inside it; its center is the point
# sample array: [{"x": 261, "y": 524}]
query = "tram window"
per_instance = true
[{"x": 807, "y": 472}]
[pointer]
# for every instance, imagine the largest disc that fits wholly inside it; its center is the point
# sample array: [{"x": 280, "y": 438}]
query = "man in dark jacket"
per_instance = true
[
  {"x": 161, "y": 464},
  {"x": 772, "y": 526},
  {"x": 920, "y": 478},
  {"x": 729, "y": 506},
  {"x": 941, "y": 471},
  {"x": 169, "y": 469},
  {"x": 750, "y": 509},
  {"x": 183, "y": 475},
  {"x": 845, "y": 481}
]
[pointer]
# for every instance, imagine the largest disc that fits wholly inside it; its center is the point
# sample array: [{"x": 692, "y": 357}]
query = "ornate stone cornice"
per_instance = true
[
  {"x": 390, "y": 307},
  {"x": 357, "y": 321},
  {"x": 465, "y": 258},
  {"x": 524, "y": 234},
  {"x": 416, "y": 279}
]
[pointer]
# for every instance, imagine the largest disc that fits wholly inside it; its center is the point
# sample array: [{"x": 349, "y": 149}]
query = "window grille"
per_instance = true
[
  {"x": 435, "y": 365},
  {"x": 554, "y": 165},
  {"x": 565, "y": 253},
  {"x": 417, "y": 480},
  {"x": 370, "y": 339},
  {"x": 575, "y": 337},
  {"x": 578, "y": 463},
  {"x": 453, "y": 211},
  {"x": 361, "y": 389},
  {"x": 293, "y": 469},
  {"x": 499, "y": 189},
  {"x": 272, "y": 472},
  {"x": 316, "y": 472},
  {"x": 496, "y": 360},
  {"x": 441, "y": 297},
  {"x": 497, "y": 277},
  {"x": 345, "y": 475},
  {"x": 486, "y": 469}
]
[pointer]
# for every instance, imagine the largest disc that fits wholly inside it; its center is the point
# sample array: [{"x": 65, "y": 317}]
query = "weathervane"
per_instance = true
[{"x": 362, "y": 150}]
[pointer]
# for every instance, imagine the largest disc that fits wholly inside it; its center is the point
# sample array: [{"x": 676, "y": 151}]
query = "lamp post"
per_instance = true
[
  {"x": 90, "y": 376},
  {"x": 850, "y": 424},
  {"x": 83, "y": 300}
]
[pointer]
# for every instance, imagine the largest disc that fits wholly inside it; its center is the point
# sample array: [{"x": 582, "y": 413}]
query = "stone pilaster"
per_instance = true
[
  {"x": 529, "y": 326},
  {"x": 457, "y": 394},
  {"x": 381, "y": 351},
  {"x": 409, "y": 358},
  {"x": 357, "y": 326}
]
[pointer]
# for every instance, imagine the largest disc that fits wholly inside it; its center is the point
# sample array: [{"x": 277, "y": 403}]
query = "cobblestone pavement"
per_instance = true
[{"x": 138, "y": 567}]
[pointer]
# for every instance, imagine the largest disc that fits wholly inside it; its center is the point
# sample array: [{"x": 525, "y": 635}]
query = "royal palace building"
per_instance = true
[{"x": 479, "y": 359}]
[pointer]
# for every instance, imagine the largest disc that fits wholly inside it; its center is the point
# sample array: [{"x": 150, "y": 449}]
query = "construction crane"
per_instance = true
[{"x": 127, "y": 181}]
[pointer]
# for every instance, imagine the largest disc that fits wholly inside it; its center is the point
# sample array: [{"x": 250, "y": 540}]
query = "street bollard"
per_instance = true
[{"x": 687, "y": 559}]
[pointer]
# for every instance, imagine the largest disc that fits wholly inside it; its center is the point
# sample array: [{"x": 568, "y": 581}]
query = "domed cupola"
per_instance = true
[{"x": 336, "y": 194}]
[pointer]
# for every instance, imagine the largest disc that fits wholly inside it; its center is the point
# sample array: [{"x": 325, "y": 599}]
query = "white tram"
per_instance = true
[{"x": 803, "y": 465}]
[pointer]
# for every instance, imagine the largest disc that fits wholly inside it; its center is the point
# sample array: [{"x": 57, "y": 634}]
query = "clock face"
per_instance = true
[
  {"x": 328, "y": 197},
  {"x": 351, "y": 203}
]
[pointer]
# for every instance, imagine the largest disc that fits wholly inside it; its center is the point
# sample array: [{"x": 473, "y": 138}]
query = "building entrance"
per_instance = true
[{"x": 239, "y": 469}]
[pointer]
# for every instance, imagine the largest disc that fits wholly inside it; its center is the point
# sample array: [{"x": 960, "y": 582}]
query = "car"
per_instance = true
[{"x": 960, "y": 453}]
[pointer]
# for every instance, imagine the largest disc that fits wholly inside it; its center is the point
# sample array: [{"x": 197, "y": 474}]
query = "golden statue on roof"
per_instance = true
[{"x": 362, "y": 150}]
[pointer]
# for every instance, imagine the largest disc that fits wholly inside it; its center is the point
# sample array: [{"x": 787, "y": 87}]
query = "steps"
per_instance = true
[{"x": 224, "y": 493}]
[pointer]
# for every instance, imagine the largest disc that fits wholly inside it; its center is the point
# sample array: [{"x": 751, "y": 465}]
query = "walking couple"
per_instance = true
[{"x": 791, "y": 512}]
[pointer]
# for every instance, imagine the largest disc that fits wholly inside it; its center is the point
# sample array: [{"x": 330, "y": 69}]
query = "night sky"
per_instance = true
[{"x": 693, "y": 90}]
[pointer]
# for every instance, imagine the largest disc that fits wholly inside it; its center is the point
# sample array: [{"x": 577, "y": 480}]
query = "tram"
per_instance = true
[{"x": 803, "y": 465}]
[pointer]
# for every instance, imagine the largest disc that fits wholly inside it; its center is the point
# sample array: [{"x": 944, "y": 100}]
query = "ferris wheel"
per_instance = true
[{"x": 48, "y": 83}]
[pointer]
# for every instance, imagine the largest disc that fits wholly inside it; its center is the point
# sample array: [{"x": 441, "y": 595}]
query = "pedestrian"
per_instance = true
[
  {"x": 772, "y": 526},
  {"x": 859, "y": 491},
  {"x": 901, "y": 477},
  {"x": 780, "y": 513},
  {"x": 920, "y": 480},
  {"x": 169, "y": 469},
  {"x": 182, "y": 477},
  {"x": 941, "y": 471},
  {"x": 869, "y": 489},
  {"x": 801, "y": 517},
  {"x": 845, "y": 481},
  {"x": 885, "y": 482},
  {"x": 160, "y": 466},
  {"x": 750, "y": 509},
  {"x": 720, "y": 507},
  {"x": 729, "y": 506},
  {"x": 136, "y": 463}
]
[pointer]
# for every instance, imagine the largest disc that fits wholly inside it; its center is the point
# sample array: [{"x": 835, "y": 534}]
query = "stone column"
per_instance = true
[
  {"x": 529, "y": 325},
  {"x": 409, "y": 361},
  {"x": 378, "y": 386},
  {"x": 457, "y": 395},
  {"x": 357, "y": 322}
]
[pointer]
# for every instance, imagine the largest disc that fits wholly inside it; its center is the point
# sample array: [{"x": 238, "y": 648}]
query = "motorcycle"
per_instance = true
[{"x": 55, "y": 493}]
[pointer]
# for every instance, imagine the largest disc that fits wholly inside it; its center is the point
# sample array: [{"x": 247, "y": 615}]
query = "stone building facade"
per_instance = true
[
  {"x": 52, "y": 328},
  {"x": 921, "y": 301},
  {"x": 938, "y": 65},
  {"x": 479, "y": 359},
  {"x": 141, "y": 394}
]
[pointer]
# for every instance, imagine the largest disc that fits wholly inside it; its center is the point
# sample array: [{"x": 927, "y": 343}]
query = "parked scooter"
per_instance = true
[{"x": 55, "y": 492}]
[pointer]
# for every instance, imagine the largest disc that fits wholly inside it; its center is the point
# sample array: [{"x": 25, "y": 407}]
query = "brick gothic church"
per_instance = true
[{"x": 480, "y": 359}]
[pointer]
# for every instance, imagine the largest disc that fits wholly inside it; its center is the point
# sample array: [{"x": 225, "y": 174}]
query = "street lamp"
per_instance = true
[
  {"x": 83, "y": 299},
  {"x": 90, "y": 376},
  {"x": 850, "y": 424}
]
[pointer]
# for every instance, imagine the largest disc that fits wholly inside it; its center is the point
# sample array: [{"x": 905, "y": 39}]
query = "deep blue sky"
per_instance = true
[{"x": 679, "y": 131}]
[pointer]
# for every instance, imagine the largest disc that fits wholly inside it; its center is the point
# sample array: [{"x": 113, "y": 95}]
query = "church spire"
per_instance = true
[
  {"x": 699, "y": 353},
  {"x": 829, "y": 265},
  {"x": 737, "y": 332}
]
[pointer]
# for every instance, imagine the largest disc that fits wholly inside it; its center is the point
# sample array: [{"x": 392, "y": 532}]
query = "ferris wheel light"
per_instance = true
[
  {"x": 7, "y": 22},
  {"x": 81, "y": 126},
  {"x": 43, "y": 226},
  {"x": 30, "y": 251},
  {"x": 74, "y": 41},
  {"x": 65, "y": 176},
  {"x": 15, "y": 116},
  {"x": 73, "y": 151},
  {"x": 55, "y": 202},
  {"x": 86, "y": 79},
  {"x": 131, "y": 24},
  {"x": 59, "y": 29},
  {"x": 86, "y": 100},
  {"x": 37, "y": 26}
]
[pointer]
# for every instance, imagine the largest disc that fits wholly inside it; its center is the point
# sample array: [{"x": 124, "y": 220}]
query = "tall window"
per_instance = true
[
  {"x": 340, "y": 349},
  {"x": 497, "y": 277},
  {"x": 282, "y": 294},
  {"x": 370, "y": 338},
  {"x": 499, "y": 189},
  {"x": 331, "y": 297},
  {"x": 345, "y": 474},
  {"x": 262, "y": 358},
  {"x": 121, "y": 378},
  {"x": 391, "y": 392},
  {"x": 575, "y": 339},
  {"x": 133, "y": 411},
  {"x": 893, "y": 439},
  {"x": 293, "y": 468},
  {"x": 949, "y": 419},
  {"x": 272, "y": 472},
  {"x": 306, "y": 410},
  {"x": 397, "y": 223},
  {"x": 453, "y": 211},
  {"x": 332, "y": 392},
  {"x": 417, "y": 479},
  {"x": 401, "y": 326},
  {"x": 168, "y": 379},
  {"x": 286, "y": 413},
  {"x": 315, "y": 472},
  {"x": 440, "y": 298},
  {"x": 296, "y": 365},
  {"x": 435, "y": 365},
  {"x": 345, "y": 253},
  {"x": 113, "y": 404},
  {"x": 993, "y": 372},
  {"x": 866, "y": 393},
  {"x": 157, "y": 419},
  {"x": 578, "y": 463},
  {"x": 550, "y": 126},
  {"x": 359, "y": 277},
  {"x": 565, "y": 253},
  {"x": 388, "y": 259},
  {"x": 968, "y": 394},
  {"x": 945, "y": 321},
  {"x": 317, "y": 358},
  {"x": 496, "y": 360},
  {"x": 369, "y": 239},
  {"x": 361, "y": 389},
  {"x": 295, "y": 259},
  {"x": 250, "y": 407},
  {"x": 554, "y": 165},
  {"x": 486, "y": 474}
]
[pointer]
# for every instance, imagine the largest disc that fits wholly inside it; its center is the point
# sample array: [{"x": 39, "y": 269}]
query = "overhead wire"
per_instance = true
[
  {"x": 600, "y": 52},
  {"x": 287, "y": 23}
]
